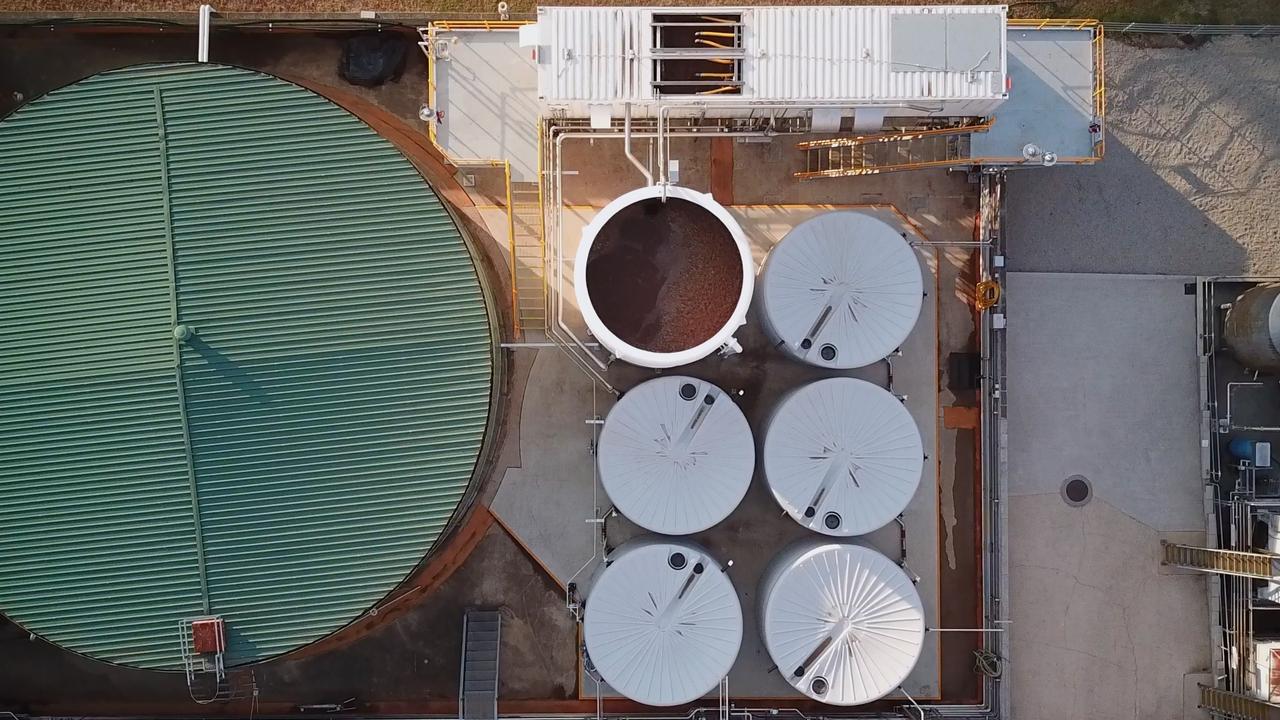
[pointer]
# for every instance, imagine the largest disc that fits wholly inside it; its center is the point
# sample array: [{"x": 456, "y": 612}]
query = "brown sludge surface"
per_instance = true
[{"x": 664, "y": 277}]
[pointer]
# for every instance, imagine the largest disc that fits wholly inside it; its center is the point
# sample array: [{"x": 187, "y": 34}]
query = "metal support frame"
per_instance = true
[
  {"x": 196, "y": 666},
  {"x": 1227, "y": 425}
]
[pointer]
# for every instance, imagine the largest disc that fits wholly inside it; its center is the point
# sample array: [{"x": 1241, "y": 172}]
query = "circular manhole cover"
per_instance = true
[{"x": 1077, "y": 490}]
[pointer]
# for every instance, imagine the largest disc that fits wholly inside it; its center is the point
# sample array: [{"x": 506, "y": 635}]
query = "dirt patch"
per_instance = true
[{"x": 664, "y": 276}]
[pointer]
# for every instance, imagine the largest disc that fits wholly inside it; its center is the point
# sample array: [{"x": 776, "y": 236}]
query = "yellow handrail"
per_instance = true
[
  {"x": 542, "y": 232},
  {"x": 457, "y": 25},
  {"x": 511, "y": 245},
  {"x": 1054, "y": 23},
  {"x": 893, "y": 137},
  {"x": 1100, "y": 91},
  {"x": 431, "y": 82},
  {"x": 1099, "y": 65}
]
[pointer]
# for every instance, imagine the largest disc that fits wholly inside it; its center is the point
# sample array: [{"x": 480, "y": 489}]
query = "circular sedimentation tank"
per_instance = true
[
  {"x": 842, "y": 456},
  {"x": 841, "y": 290},
  {"x": 663, "y": 281},
  {"x": 676, "y": 455},
  {"x": 246, "y": 368},
  {"x": 663, "y": 623},
  {"x": 843, "y": 623}
]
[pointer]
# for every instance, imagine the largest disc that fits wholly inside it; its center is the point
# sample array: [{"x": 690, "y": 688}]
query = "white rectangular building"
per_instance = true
[{"x": 868, "y": 62}]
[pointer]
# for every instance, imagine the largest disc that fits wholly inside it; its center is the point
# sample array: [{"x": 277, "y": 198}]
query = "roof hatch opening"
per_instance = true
[{"x": 697, "y": 54}]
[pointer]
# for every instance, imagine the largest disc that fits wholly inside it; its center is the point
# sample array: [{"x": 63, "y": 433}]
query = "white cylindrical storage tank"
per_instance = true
[
  {"x": 663, "y": 283},
  {"x": 1252, "y": 328},
  {"x": 842, "y": 290},
  {"x": 676, "y": 455},
  {"x": 663, "y": 623},
  {"x": 842, "y": 622},
  {"x": 842, "y": 456}
]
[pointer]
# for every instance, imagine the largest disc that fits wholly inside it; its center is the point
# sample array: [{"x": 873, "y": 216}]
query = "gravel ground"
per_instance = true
[{"x": 1191, "y": 179}]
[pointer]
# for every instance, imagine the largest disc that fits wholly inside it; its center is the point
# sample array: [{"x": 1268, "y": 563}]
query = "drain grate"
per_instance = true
[{"x": 1076, "y": 490}]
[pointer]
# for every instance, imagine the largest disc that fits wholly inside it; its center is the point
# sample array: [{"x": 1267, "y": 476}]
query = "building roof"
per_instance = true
[
  {"x": 291, "y": 462},
  {"x": 676, "y": 455},
  {"x": 826, "y": 54}
]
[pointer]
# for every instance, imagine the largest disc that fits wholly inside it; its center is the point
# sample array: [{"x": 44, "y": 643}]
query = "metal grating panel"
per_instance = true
[{"x": 336, "y": 393}]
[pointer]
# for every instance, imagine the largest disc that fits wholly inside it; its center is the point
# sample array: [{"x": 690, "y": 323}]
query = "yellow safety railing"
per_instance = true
[
  {"x": 511, "y": 247},
  {"x": 1099, "y": 92},
  {"x": 896, "y": 136},
  {"x": 542, "y": 230},
  {"x": 1053, "y": 23},
  {"x": 430, "y": 52},
  {"x": 1099, "y": 66},
  {"x": 877, "y": 169},
  {"x": 430, "y": 33},
  {"x": 456, "y": 25}
]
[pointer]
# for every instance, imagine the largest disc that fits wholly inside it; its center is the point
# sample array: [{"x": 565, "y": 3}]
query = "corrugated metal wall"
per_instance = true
[
  {"x": 843, "y": 53},
  {"x": 336, "y": 392},
  {"x": 792, "y": 54}
]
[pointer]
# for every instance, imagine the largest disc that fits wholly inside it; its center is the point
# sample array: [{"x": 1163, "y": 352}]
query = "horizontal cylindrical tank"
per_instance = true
[
  {"x": 843, "y": 623},
  {"x": 676, "y": 455},
  {"x": 1252, "y": 328},
  {"x": 663, "y": 281},
  {"x": 842, "y": 456},
  {"x": 842, "y": 290},
  {"x": 663, "y": 623}
]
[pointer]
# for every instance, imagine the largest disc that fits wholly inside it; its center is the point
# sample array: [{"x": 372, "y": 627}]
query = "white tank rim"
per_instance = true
[
  {"x": 647, "y": 358},
  {"x": 897, "y": 307},
  {"x": 728, "y": 453},
  {"x": 849, "y": 683},
  {"x": 897, "y": 466},
  {"x": 616, "y": 608}
]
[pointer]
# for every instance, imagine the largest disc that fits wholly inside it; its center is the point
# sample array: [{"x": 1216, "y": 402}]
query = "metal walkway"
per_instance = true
[
  {"x": 478, "y": 691},
  {"x": 529, "y": 259},
  {"x": 890, "y": 152}
]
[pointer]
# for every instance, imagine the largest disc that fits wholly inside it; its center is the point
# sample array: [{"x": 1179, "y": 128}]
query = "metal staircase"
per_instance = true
[
  {"x": 530, "y": 261},
  {"x": 478, "y": 685},
  {"x": 1224, "y": 562},
  {"x": 889, "y": 152},
  {"x": 1234, "y": 706}
]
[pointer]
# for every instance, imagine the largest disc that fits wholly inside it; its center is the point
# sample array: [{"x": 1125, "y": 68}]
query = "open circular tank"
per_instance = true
[{"x": 663, "y": 283}]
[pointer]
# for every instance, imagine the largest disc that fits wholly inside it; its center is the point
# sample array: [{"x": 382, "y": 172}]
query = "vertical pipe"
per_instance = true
[
  {"x": 626, "y": 146},
  {"x": 202, "y": 45}
]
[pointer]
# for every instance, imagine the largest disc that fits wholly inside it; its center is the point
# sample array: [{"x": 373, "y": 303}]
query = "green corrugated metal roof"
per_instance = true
[{"x": 291, "y": 464}]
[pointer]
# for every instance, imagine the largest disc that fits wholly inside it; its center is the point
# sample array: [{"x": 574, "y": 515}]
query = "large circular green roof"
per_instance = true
[{"x": 291, "y": 461}]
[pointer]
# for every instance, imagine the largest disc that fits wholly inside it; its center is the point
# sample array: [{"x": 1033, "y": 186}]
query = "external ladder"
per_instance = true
[
  {"x": 1236, "y": 706},
  {"x": 1263, "y": 566}
]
